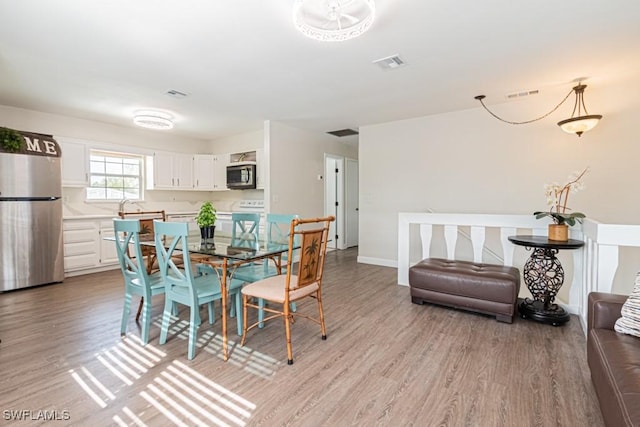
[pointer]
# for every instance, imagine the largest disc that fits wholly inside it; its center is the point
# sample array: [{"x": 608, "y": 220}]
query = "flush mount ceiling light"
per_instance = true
[
  {"x": 153, "y": 120},
  {"x": 575, "y": 124},
  {"x": 333, "y": 20}
]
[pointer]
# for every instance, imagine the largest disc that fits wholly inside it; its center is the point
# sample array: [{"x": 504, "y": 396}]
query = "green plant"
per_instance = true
[
  {"x": 207, "y": 215},
  {"x": 10, "y": 140},
  {"x": 557, "y": 197}
]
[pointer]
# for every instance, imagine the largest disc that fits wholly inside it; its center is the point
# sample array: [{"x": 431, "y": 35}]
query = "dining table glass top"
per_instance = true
[{"x": 224, "y": 247}]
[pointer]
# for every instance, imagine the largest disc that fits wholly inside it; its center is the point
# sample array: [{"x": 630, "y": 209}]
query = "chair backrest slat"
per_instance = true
[
  {"x": 177, "y": 278},
  {"x": 245, "y": 229},
  {"x": 127, "y": 233},
  {"x": 313, "y": 248}
]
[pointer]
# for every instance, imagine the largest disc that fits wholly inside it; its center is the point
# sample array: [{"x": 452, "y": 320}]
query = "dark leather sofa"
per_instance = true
[{"x": 614, "y": 362}]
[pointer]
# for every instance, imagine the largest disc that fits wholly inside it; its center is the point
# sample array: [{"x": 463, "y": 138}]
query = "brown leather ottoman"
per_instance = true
[{"x": 483, "y": 288}]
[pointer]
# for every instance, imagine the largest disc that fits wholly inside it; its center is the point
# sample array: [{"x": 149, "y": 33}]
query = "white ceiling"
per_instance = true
[{"x": 242, "y": 61}]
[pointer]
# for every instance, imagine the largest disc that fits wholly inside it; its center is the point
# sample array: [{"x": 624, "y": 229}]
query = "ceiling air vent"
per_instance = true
[
  {"x": 343, "y": 132},
  {"x": 390, "y": 62},
  {"x": 176, "y": 94},
  {"x": 522, "y": 93}
]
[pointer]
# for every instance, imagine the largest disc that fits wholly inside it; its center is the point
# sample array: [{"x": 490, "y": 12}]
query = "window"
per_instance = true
[{"x": 114, "y": 176}]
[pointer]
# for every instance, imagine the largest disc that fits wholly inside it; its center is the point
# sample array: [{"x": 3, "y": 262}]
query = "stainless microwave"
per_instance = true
[{"x": 241, "y": 177}]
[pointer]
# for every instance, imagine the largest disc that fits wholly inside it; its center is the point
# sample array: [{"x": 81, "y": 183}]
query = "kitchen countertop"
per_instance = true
[{"x": 115, "y": 215}]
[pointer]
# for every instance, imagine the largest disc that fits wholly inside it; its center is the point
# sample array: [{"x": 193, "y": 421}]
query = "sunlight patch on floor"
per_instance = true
[{"x": 181, "y": 392}]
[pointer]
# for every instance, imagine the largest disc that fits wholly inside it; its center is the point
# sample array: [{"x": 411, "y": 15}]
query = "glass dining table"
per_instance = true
[{"x": 225, "y": 256}]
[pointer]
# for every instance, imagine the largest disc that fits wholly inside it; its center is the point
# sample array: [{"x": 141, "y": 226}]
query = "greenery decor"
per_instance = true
[
  {"x": 207, "y": 215},
  {"x": 557, "y": 196},
  {"x": 10, "y": 140}
]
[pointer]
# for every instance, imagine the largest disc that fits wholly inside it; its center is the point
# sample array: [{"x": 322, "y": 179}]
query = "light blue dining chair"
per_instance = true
[
  {"x": 245, "y": 233},
  {"x": 182, "y": 287},
  {"x": 245, "y": 229},
  {"x": 136, "y": 279},
  {"x": 278, "y": 226}
]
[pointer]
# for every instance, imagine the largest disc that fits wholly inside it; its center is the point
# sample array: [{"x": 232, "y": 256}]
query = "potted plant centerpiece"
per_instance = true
[
  {"x": 206, "y": 220},
  {"x": 557, "y": 197}
]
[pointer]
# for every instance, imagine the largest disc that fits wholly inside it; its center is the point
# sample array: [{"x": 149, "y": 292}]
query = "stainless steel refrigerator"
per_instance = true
[{"x": 31, "y": 247}]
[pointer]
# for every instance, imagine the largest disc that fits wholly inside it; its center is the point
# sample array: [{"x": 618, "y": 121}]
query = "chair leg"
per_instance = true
[
  {"x": 146, "y": 320},
  {"x": 139, "y": 309},
  {"x": 261, "y": 304},
  {"x": 125, "y": 314},
  {"x": 212, "y": 315},
  {"x": 287, "y": 328},
  {"x": 194, "y": 323},
  {"x": 321, "y": 316},
  {"x": 244, "y": 318},
  {"x": 166, "y": 318},
  {"x": 238, "y": 307}
]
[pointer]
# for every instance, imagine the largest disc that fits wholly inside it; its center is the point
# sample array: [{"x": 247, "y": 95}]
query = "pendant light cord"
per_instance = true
[{"x": 481, "y": 97}]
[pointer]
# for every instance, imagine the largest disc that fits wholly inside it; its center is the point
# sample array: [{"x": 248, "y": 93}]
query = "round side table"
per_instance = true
[{"x": 543, "y": 275}]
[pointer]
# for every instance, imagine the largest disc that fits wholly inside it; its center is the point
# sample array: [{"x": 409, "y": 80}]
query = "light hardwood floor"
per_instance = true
[{"x": 386, "y": 362}]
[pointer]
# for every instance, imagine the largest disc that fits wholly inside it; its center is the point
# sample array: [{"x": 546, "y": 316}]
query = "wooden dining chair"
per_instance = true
[
  {"x": 182, "y": 287},
  {"x": 137, "y": 281},
  {"x": 146, "y": 219},
  {"x": 302, "y": 280}
]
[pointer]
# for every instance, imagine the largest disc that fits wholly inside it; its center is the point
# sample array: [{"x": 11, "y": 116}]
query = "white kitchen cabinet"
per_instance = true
[
  {"x": 108, "y": 252},
  {"x": 75, "y": 164},
  {"x": 81, "y": 245},
  {"x": 183, "y": 171},
  {"x": 220, "y": 172},
  {"x": 203, "y": 172},
  {"x": 85, "y": 249},
  {"x": 172, "y": 171}
]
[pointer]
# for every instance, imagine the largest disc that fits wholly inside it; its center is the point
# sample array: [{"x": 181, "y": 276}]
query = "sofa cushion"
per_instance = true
[
  {"x": 614, "y": 361},
  {"x": 629, "y": 323}
]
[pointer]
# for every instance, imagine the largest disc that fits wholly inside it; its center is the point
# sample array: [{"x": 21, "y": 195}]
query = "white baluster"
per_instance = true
[{"x": 477, "y": 241}]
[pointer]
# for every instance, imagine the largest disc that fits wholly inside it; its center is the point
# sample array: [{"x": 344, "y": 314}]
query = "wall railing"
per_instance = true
[{"x": 594, "y": 266}]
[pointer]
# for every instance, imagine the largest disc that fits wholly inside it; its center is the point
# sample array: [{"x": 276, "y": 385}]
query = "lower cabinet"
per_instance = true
[{"x": 85, "y": 249}]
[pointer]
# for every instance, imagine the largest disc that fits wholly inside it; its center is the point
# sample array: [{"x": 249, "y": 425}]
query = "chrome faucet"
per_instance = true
[{"x": 122, "y": 203}]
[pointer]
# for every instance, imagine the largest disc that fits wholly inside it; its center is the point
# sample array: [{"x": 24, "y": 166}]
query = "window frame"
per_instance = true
[{"x": 140, "y": 158}]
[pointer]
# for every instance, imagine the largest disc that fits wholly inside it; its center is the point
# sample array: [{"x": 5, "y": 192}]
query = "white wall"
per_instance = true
[
  {"x": 296, "y": 159},
  {"x": 468, "y": 162},
  {"x": 239, "y": 143}
]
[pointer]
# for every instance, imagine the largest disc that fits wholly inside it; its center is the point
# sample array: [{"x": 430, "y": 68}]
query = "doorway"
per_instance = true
[{"x": 341, "y": 200}]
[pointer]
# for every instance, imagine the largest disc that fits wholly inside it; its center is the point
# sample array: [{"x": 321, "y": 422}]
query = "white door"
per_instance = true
[
  {"x": 351, "y": 202},
  {"x": 334, "y": 199}
]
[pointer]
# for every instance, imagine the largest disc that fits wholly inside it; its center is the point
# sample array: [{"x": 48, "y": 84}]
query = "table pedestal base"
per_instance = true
[{"x": 535, "y": 310}]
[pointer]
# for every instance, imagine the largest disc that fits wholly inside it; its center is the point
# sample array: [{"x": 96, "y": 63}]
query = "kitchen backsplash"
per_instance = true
[{"x": 74, "y": 203}]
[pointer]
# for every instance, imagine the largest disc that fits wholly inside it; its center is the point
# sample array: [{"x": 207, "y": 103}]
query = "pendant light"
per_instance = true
[
  {"x": 579, "y": 123},
  {"x": 575, "y": 124}
]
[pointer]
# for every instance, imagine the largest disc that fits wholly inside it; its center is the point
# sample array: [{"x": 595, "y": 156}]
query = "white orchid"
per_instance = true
[{"x": 557, "y": 196}]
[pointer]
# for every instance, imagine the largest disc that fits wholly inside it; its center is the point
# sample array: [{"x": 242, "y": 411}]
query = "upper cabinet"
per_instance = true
[
  {"x": 75, "y": 164},
  {"x": 170, "y": 171},
  {"x": 203, "y": 171},
  {"x": 175, "y": 171},
  {"x": 220, "y": 172}
]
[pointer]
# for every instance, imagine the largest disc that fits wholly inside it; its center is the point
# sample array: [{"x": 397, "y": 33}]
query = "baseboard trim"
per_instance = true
[{"x": 378, "y": 261}]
